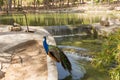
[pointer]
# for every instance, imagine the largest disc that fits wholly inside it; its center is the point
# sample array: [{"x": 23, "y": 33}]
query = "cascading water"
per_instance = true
[
  {"x": 78, "y": 70},
  {"x": 61, "y": 31}
]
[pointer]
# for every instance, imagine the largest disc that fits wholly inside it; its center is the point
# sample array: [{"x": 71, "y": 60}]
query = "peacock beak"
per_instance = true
[{"x": 45, "y": 36}]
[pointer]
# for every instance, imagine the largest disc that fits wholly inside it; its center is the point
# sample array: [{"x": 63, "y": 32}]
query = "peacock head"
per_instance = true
[{"x": 44, "y": 37}]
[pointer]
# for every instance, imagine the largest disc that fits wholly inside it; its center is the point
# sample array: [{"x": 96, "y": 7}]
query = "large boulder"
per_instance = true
[{"x": 22, "y": 56}]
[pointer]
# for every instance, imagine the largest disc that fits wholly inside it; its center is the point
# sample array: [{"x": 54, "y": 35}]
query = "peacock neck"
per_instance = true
[{"x": 45, "y": 45}]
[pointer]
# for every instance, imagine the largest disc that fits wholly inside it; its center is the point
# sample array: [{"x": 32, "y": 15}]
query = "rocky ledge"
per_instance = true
[{"x": 22, "y": 56}]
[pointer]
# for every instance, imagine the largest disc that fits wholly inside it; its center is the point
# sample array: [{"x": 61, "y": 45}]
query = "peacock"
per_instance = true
[{"x": 57, "y": 54}]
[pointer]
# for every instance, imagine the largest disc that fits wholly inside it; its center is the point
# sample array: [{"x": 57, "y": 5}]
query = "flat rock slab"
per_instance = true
[
  {"x": 22, "y": 56},
  {"x": 105, "y": 31},
  {"x": 28, "y": 62}
]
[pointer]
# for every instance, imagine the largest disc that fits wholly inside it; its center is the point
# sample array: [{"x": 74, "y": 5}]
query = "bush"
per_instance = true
[{"x": 109, "y": 57}]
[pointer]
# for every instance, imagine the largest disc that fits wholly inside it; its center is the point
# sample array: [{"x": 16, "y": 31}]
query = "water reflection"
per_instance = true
[{"x": 51, "y": 19}]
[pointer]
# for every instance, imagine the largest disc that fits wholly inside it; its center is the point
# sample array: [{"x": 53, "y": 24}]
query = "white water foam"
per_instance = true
[
  {"x": 78, "y": 70},
  {"x": 78, "y": 56},
  {"x": 72, "y": 47}
]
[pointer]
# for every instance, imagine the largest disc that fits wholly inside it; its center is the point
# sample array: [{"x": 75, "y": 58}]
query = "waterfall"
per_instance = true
[
  {"x": 78, "y": 71},
  {"x": 72, "y": 47}
]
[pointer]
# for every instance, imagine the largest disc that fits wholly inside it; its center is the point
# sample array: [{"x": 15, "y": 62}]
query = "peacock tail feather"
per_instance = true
[{"x": 58, "y": 55}]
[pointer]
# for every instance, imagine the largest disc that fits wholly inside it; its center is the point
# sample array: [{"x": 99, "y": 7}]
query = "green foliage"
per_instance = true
[
  {"x": 109, "y": 57},
  {"x": 1, "y": 2},
  {"x": 115, "y": 73}
]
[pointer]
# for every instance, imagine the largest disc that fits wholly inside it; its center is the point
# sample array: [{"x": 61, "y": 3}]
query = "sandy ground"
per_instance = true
[
  {"x": 28, "y": 62},
  {"x": 22, "y": 56}
]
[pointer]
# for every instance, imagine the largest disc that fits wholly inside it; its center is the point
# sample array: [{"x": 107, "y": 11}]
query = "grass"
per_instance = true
[{"x": 92, "y": 73}]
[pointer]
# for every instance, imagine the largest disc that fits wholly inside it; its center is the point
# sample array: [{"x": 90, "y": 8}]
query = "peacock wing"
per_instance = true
[
  {"x": 60, "y": 57},
  {"x": 54, "y": 53}
]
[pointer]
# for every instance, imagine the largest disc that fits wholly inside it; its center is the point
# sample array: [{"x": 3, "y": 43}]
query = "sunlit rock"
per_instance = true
[{"x": 104, "y": 22}]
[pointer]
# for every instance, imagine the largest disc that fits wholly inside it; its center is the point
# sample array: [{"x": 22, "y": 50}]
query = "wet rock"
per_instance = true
[
  {"x": 67, "y": 30},
  {"x": 58, "y": 30}
]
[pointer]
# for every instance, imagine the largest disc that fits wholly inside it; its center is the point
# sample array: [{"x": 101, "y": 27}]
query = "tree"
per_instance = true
[
  {"x": 68, "y": 2},
  {"x": 1, "y": 4},
  {"x": 9, "y": 5},
  {"x": 34, "y": 2},
  {"x": 19, "y": 5},
  {"x": 81, "y": 1},
  {"x": 14, "y": 3}
]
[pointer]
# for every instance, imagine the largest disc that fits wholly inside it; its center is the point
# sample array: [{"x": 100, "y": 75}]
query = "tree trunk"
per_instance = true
[
  {"x": 21, "y": 3},
  {"x": 34, "y": 4},
  {"x": 52, "y": 2},
  {"x": 9, "y": 5},
  {"x": 14, "y": 2},
  {"x": 26, "y": 22},
  {"x": 81, "y": 1},
  {"x": 18, "y": 3},
  {"x": 60, "y": 4},
  {"x": 108, "y": 1},
  {"x": 68, "y": 2},
  {"x": 92, "y": 2}
]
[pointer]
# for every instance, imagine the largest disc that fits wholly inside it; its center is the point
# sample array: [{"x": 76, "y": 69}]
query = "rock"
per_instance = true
[
  {"x": 105, "y": 31},
  {"x": 104, "y": 23},
  {"x": 16, "y": 25},
  {"x": 117, "y": 8},
  {"x": 2, "y": 74},
  {"x": 111, "y": 8},
  {"x": 117, "y": 21},
  {"x": 28, "y": 60},
  {"x": 12, "y": 28}
]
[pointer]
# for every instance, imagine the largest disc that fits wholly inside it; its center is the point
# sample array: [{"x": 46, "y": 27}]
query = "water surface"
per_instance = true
[{"x": 50, "y": 19}]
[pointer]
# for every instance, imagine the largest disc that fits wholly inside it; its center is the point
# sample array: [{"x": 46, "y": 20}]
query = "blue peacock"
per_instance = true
[{"x": 57, "y": 54}]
